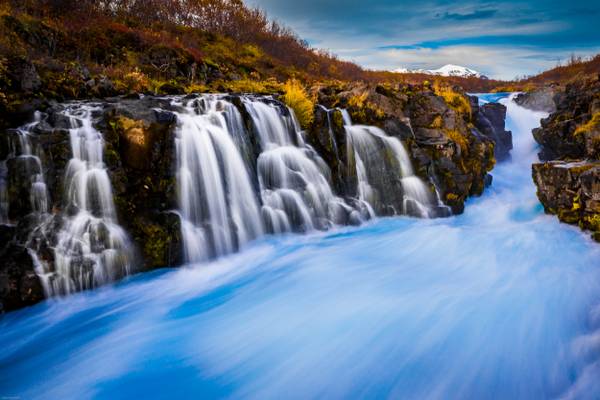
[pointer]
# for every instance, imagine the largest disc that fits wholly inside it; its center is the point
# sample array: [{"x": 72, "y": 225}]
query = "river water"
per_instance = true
[{"x": 500, "y": 302}]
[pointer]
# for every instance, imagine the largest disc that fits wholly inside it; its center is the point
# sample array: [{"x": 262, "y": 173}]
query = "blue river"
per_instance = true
[{"x": 502, "y": 302}]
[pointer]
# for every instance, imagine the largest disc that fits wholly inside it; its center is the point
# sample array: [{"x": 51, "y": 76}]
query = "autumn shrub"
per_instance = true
[
  {"x": 298, "y": 100},
  {"x": 135, "y": 81}
]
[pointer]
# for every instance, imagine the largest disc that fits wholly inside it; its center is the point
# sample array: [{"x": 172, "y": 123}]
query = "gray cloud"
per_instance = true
[{"x": 480, "y": 14}]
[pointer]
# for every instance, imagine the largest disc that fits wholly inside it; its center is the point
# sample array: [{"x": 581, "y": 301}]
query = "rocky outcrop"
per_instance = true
[
  {"x": 490, "y": 120},
  {"x": 572, "y": 131},
  {"x": 571, "y": 190},
  {"x": 543, "y": 99},
  {"x": 19, "y": 284},
  {"x": 569, "y": 182},
  {"x": 447, "y": 150}
]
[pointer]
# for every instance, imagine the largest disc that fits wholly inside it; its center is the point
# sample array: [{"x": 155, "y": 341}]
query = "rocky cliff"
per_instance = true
[
  {"x": 450, "y": 140},
  {"x": 568, "y": 181}
]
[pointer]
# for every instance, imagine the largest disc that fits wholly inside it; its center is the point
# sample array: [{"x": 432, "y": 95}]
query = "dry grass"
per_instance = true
[
  {"x": 298, "y": 100},
  {"x": 459, "y": 139},
  {"x": 592, "y": 124},
  {"x": 457, "y": 101}
]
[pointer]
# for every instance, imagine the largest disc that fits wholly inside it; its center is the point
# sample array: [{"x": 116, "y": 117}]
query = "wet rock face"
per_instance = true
[
  {"x": 571, "y": 188},
  {"x": 539, "y": 100},
  {"x": 19, "y": 285},
  {"x": 140, "y": 154},
  {"x": 490, "y": 120},
  {"x": 572, "y": 131},
  {"x": 444, "y": 148}
]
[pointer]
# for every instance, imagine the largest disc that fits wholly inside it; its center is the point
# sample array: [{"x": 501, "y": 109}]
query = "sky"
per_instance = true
[{"x": 502, "y": 39}]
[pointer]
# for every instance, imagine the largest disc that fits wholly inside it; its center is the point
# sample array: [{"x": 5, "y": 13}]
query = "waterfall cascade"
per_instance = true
[
  {"x": 25, "y": 157},
  {"x": 218, "y": 206},
  {"x": 88, "y": 246},
  {"x": 91, "y": 249},
  {"x": 242, "y": 177},
  {"x": 375, "y": 152},
  {"x": 244, "y": 168},
  {"x": 234, "y": 186}
]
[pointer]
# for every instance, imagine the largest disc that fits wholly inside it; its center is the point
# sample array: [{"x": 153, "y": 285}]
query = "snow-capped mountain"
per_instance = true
[{"x": 446, "y": 70}]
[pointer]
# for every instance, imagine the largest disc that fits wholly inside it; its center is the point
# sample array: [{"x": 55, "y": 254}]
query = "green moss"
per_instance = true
[{"x": 156, "y": 241}]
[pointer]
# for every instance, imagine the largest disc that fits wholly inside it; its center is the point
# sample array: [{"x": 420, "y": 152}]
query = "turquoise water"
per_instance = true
[{"x": 500, "y": 302}]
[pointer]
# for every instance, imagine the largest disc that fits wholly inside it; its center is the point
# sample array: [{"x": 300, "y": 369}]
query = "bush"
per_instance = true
[
  {"x": 457, "y": 101},
  {"x": 135, "y": 81},
  {"x": 298, "y": 100}
]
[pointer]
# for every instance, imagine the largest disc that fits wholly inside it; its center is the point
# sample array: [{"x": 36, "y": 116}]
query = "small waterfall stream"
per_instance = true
[
  {"x": 88, "y": 246},
  {"x": 294, "y": 180},
  {"x": 26, "y": 157},
  {"x": 91, "y": 249},
  {"x": 374, "y": 152}
]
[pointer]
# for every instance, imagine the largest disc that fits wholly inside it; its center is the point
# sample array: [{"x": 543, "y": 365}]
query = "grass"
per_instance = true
[
  {"x": 593, "y": 123},
  {"x": 459, "y": 139},
  {"x": 457, "y": 101},
  {"x": 298, "y": 100}
]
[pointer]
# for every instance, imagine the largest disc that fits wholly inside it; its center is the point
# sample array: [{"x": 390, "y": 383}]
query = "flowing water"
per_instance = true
[
  {"x": 372, "y": 148},
  {"x": 91, "y": 248},
  {"x": 25, "y": 156},
  {"x": 500, "y": 302},
  {"x": 220, "y": 169}
]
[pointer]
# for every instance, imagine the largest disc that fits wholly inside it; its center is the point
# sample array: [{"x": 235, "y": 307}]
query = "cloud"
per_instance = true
[
  {"x": 521, "y": 36},
  {"x": 482, "y": 14},
  {"x": 500, "y": 62}
]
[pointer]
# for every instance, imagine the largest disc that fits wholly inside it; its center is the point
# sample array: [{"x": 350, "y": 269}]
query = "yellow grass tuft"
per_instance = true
[
  {"x": 456, "y": 101},
  {"x": 299, "y": 101},
  {"x": 592, "y": 124}
]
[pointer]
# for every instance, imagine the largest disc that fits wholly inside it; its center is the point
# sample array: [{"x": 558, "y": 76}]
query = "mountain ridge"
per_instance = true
[{"x": 446, "y": 70}]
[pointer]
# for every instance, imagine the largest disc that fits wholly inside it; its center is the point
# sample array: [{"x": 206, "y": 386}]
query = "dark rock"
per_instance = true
[
  {"x": 572, "y": 131},
  {"x": 30, "y": 80},
  {"x": 19, "y": 285},
  {"x": 171, "y": 88},
  {"x": 490, "y": 120},
  {"x": 570, "y": 190},
  {"x": 538, "y": 100},
  {"x": 429, "y": 136}
]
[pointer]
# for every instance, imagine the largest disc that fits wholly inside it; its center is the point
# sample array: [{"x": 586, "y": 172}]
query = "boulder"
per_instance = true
[
  {"x": 570, "y": 190},
  {"x": 572, "y": 131},
  {"x": 542, "y": 99},
  {"x": 490, "y": 120},
  {"x": 19, "y": 285}
]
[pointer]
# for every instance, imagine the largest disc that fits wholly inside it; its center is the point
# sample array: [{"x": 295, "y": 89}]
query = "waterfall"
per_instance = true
[
  {"x": 294, "y": 180},
  {"x": 244, "y": 169},
  {"x": 233, "y": 189},
  {"x": 218, "y": 206},
  {"x": 27, "y": 158},
  {"x": 376, "y": 153},
  {"x": 91, "y": 248}
]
